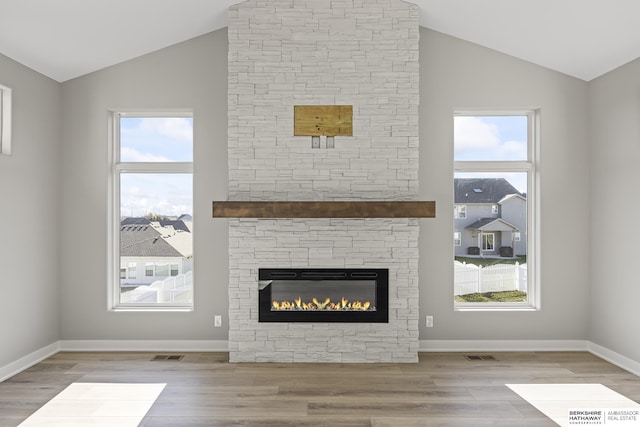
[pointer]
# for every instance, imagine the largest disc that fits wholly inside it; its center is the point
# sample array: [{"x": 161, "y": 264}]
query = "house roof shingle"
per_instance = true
[
  {"x": 482, "y": 190},
  {"x": 182, "y": 223},
  {"x": 149, "y": 240}
]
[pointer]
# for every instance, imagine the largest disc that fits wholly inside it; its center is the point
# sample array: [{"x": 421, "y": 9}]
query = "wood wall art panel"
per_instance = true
[
  {"x": 345, "y": 209},
  {"x": 323, "y": 120}
]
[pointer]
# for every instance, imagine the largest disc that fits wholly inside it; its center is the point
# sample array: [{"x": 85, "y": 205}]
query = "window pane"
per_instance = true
[
  {"x": 156, "y": 195},
  {"x": 487, "y": 242},
  {"x": 162, "y": 270},
  {"x": 492, "y": 255},
  {"x": 155, "y": 209},
  {"x": 156, "y": 139},
  {"x": 131, "y": 271},
  {"x": 155, "y": 231},
  {"x": 490, "y": 138}
]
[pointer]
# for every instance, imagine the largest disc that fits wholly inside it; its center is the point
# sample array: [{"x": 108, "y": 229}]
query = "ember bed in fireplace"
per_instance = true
[{"x": 324, "y": 295}]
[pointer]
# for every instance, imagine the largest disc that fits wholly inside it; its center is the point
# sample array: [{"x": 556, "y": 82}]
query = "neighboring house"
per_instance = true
[
  {"x": 490, "y": 218},
  {"x": 183, "y": 222},
  {"x": 154, "y": 250}
]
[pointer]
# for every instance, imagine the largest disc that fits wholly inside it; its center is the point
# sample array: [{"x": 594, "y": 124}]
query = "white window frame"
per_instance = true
[
  {"x": 494, "y": 209},
  {"x": 5, "y": 120},
  {"x": 460, "y": 212},
  {"x": 116, "y": 168},
  {"x": 530, "y": 166},
  {"x": 457, "y": 238}
]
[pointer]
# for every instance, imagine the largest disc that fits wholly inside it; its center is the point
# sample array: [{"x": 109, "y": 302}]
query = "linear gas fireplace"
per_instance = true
[{"x": 324, "y": 295}]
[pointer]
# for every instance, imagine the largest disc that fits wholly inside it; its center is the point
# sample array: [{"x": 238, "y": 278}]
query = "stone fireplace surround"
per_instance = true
[{"x": 318, "y": 52}]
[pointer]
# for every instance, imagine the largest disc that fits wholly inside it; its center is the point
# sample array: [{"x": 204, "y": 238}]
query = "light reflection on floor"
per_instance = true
[
  {"x": 118, "y": 405},
  {"x": 97, "y": 404},
  {"x": 556, "y": 400}
]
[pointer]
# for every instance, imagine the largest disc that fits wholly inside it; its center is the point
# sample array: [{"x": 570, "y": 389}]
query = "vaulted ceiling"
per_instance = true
[{"x": 64, "y": 39}]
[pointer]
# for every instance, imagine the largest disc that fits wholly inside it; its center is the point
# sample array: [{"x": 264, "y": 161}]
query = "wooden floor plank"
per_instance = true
[{"x": 204, "y": 389}]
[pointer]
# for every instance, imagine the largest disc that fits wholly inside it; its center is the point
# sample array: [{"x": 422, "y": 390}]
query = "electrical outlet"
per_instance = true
[
  {"x": 217, "y": 322},
  {"x": 429, "y": 321}
]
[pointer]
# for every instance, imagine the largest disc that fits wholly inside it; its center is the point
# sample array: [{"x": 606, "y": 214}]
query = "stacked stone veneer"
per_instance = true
[{"x": 362, "y": 53}]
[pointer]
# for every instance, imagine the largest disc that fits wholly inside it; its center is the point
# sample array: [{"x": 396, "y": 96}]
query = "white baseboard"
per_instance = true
[
  {"x": 31, "y": 359},
  {"x": 27, "y": 361},
  {"x": 615, "y": 358},
  {"x": 144, "y": 345},
  {"x": 502, "y": 345}
]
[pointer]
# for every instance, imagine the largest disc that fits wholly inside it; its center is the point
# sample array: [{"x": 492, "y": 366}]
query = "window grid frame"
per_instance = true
[
  {"x": 117, "y": 168},
  {"x": 5, "y": 120},
  {"x": 457, "y": 238},
  {"x": 530, "y": 166}
]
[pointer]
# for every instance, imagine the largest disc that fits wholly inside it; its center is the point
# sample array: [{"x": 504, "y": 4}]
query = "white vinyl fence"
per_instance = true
[
  {"x": 177, "y": 289},
  {"x": 469, "y": 278}
]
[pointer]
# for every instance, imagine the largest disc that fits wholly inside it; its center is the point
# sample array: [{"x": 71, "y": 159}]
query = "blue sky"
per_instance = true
[
  {"x": 481, "y": 138},
  {"x": 160, "y": 139},
  {"x": 157, "y": 139}
]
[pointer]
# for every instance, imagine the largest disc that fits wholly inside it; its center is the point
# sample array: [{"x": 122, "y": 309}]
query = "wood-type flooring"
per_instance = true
[{"x": 204, "y": 389}]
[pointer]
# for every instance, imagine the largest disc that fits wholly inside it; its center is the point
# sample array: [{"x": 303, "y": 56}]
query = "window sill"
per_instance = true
[
  {"x": 152, "y": 309},
  {"x": 493, "y": 307}
]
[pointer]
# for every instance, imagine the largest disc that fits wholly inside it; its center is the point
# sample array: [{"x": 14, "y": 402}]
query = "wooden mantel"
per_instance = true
[{"x": 342, "y": 209}]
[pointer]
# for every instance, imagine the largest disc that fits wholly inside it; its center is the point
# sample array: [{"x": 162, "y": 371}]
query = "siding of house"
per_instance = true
[
  {"x": 141, "y": 278},
  {"x": 514, "y": 211},
  {"x": 469, "y": 237}
]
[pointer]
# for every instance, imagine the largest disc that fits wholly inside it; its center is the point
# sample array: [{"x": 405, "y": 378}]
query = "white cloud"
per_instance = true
[
  {"x": 473, "y": 133},
  {"x": 514, "y": 149},
  {"x": 476, "y": 139},
  {"x": 133, "y": 204},
  {"x": 178, "y": 128},
  {"x": 128, "y": 154},
  {"x": 163, "y": 194}
]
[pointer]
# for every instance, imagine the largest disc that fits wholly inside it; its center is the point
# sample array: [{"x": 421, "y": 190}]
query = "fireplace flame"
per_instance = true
[
  {"x": 317, "y": 305},
  {"x": 321, "y": 305}
]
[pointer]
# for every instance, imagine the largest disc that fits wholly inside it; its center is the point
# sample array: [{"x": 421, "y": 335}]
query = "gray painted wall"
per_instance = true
[
  {"x": 190, "y": 75},
  {"x": 459, "y": 75},
  {"x": 29, "y": 214},
  {"x": 614, "y": 127}
]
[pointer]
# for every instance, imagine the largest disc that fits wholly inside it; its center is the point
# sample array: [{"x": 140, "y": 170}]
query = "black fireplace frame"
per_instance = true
[{"x": 380, "y": 275}]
